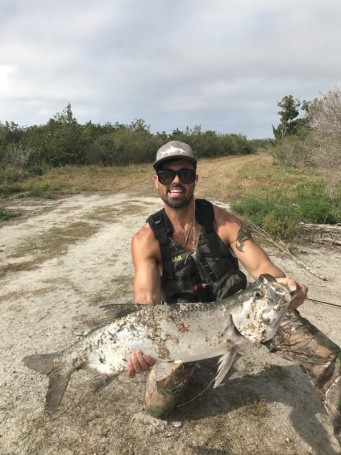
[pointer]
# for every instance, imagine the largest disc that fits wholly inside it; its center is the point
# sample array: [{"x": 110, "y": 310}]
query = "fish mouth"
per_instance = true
[{"x": 279, "y": 295}]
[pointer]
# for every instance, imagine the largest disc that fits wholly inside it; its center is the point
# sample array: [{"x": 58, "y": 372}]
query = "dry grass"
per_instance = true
[
  {"x": 231, "y": 178},
  {"x": 226, "y": 179},
  {"x": 136, "y": 179}
]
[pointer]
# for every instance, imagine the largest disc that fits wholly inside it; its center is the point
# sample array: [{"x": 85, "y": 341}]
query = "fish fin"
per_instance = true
[
  {"x": 58, "y": 377},
  {"x": 225, "y": 363},
  {"x": 58, "y": 381},
  {"x": 41, "y": 362},
  {"x": 119, "y": 310},
  {"x": 100, "y": 381},
  {"x": 164, "y": 369}
]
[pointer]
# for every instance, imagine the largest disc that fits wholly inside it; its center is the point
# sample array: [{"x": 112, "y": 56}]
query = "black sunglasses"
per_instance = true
[{"x": 166, "y": 176}]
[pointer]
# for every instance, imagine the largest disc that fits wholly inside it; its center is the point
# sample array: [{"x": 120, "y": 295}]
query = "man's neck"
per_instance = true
[{"x": 181, "y": 217}]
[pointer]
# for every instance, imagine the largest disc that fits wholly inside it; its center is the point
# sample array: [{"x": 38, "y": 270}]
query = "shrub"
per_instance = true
[{"x": 280, "y": 212}]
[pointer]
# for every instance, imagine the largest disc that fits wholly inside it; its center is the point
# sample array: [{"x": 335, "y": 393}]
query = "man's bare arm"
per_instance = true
[
  {"x": 145, "y": 254},
  {"x": 234, "y": 233}
]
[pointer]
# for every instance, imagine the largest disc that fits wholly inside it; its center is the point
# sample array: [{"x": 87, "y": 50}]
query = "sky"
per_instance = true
[{"x": 220, "y": 64}]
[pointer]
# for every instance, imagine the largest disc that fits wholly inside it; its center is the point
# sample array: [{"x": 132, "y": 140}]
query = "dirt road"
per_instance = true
[{"x": 59, "y": 263}]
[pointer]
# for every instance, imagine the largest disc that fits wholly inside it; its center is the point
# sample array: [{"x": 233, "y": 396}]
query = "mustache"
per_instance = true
[{"x": 176, "y": 187}]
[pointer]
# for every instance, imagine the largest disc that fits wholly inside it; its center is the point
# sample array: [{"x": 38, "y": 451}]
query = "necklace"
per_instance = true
[
  {"x": 188, "y": 233},
  {"x": 192, "y": 232}
]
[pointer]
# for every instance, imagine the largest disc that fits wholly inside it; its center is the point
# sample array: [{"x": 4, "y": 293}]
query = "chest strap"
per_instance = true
[
  {"x": 204, "y": 213},
  {"x": 162, "y": 229}
]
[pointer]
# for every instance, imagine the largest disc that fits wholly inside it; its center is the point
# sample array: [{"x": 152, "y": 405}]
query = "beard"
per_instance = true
[{"x": 176, "y": 201}]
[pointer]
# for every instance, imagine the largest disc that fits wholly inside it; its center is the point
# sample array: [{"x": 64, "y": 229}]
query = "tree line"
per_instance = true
[
  {"x": 308, "y": 133},
  {"x": 64, "y": 141}
]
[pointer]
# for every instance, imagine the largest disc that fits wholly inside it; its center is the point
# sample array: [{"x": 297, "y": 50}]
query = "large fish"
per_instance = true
[{"x": 171, "y": 334}]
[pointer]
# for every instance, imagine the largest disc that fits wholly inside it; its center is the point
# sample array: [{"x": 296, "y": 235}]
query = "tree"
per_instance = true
[
  {"x": 289, "y": 123},
  {"x": 324, "y": 118},
  {"x": 324, "y": 115}
]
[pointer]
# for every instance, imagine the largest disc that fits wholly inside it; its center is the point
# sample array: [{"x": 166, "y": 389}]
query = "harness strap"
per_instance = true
[
  {"x": 162, "y": 230},
  {"x": 205, "y": 217}
]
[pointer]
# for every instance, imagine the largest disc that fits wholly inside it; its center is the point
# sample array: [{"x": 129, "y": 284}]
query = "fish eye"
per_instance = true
[{"x": 259, "y": 294}]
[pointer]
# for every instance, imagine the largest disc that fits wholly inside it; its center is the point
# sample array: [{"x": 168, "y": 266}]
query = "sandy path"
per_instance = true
[{"x": 59, "y": 263}]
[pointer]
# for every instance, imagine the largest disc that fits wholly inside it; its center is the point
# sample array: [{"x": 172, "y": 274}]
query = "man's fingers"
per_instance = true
[
  {"x": 300, "y": 291},
  {"x": 149, "y": 360},
  {"x": 130, "y": 369},
  {"x": 139, "y": 362}
]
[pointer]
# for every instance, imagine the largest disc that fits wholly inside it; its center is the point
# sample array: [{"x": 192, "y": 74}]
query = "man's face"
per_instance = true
[{"x": 176, "y": 194}]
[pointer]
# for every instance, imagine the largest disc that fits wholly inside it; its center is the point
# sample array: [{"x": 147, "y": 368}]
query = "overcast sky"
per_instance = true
[{"x": 221, "y": 64}]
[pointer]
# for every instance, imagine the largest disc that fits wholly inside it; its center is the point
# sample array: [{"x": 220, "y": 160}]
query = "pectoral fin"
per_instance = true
[
  {"x": 100, "y": 381},
  {"x": 225, "y": 363},
  {"x": 164, "y": 369}
]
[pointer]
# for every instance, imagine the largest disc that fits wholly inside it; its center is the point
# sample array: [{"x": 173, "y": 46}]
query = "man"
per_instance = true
[{"x": 189, "y": 252}]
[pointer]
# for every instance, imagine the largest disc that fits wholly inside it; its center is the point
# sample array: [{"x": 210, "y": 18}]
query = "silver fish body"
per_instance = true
[{"x": 172, "y": 335}]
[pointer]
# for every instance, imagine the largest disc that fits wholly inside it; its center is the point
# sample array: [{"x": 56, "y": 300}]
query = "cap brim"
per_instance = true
[{"x": 157, "y": 163}]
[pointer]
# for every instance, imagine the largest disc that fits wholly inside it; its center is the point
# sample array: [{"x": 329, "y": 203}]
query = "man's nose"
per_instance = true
[{"x": 176, "y": 179}]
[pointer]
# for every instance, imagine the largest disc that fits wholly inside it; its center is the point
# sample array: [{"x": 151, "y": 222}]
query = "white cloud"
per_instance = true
[{"x": 222, "y": 64}]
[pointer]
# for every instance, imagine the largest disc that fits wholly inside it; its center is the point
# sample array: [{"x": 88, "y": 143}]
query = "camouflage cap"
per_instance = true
[{"x": 174, "y": 150}]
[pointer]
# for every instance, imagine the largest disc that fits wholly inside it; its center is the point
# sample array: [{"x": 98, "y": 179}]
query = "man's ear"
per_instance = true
[{"x": 156, "y": 182}]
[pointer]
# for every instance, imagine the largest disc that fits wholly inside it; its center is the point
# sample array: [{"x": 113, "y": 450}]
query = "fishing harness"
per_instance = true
[{"x": 213, "y": 273}]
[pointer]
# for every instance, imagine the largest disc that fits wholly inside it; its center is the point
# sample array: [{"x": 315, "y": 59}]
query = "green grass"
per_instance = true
[
  {"x": 280, "y": 210},
  {"x": 6, "y": 215}
]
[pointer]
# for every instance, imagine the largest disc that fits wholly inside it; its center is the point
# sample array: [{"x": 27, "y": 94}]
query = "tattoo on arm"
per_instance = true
[{"x": 243, "y": 235}]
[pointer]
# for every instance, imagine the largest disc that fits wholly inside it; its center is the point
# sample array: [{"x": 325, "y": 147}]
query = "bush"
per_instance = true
[
  {"x": 315, "y": 205},
  {"x": 279, "y": 220},
  {"x": 293, "y": 151},
  {"x": 280, "y": 212},
  {"x": 35, "y": 171}
]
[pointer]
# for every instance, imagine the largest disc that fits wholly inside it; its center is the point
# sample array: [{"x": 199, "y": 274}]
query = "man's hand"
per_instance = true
[
  {"x": 138, "y": 363},
  {"x": 301, "y": 291}
]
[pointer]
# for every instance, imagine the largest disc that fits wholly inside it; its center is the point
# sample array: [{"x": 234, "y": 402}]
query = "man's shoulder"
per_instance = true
[
  {"x": 226, "y": 224},
  {"x": 222, "y": 214},
  {"x": 145, "y": 245},
  {"x": 144, "y": 234}
]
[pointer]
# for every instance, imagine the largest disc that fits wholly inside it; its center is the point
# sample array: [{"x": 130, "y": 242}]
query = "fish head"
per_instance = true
[{"x": 261, "y": 309}]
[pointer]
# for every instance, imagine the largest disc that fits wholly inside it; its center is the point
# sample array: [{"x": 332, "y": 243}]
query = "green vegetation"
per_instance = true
[
  {"x": 274, "y": 197},
  {"x": 292, "y": 179},
  {"x": 309, "y": 134},
  {"x": 63, "y": 141},
  {"x": 6, "y": 215},
  {"x": 280, "y": 212}
]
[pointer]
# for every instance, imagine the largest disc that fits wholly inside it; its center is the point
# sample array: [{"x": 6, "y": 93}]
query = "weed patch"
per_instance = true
[
  {"x": 42, "y": 190},
  {"x": 7, "y": 215}
]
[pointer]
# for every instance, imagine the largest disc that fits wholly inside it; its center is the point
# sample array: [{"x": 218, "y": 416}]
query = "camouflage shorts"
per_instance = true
[
  {"x": 162, "y": 397},
  {"x": 301, "y": 342}
]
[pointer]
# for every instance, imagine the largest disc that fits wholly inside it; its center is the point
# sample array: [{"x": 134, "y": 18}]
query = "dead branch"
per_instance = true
[{"x": 284, "y": 249}]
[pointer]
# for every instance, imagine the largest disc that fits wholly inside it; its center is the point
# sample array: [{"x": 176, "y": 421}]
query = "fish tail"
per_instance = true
[
  {"x": 58, "y": 381},
  {"x": 41, "y": 362},
  {"x": 58, "y": 375}
]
